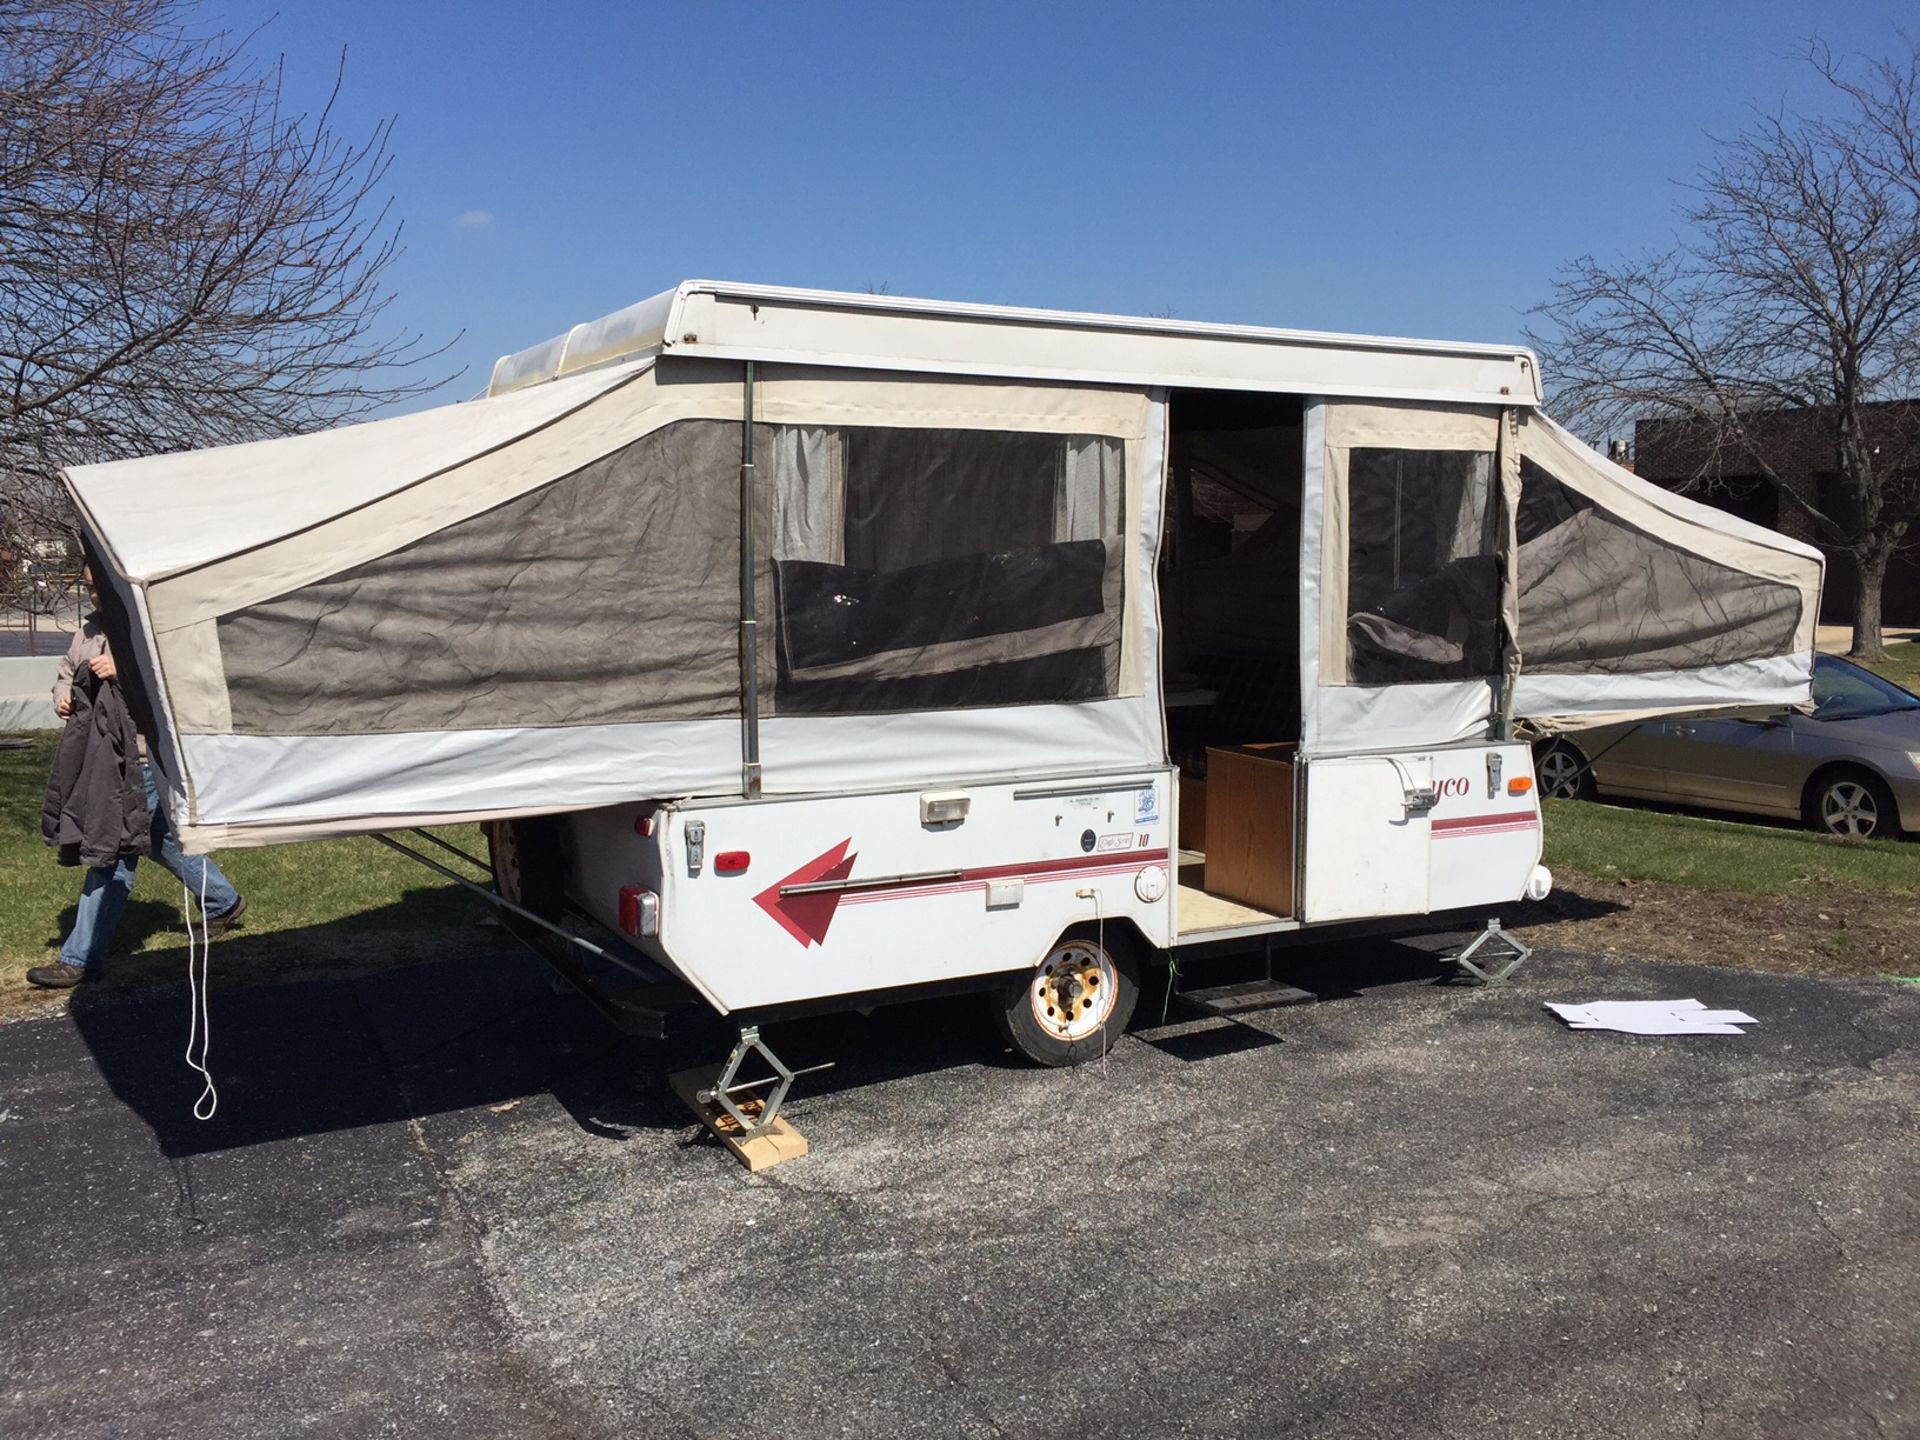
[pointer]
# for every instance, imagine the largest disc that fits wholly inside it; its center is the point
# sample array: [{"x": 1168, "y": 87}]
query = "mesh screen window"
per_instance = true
[
  {"x": 605, "y": 596},
  {"x": 1423, "y": 580},
  {"x": 938, "y": 569},
  {"x": 1600, "y": 596}
]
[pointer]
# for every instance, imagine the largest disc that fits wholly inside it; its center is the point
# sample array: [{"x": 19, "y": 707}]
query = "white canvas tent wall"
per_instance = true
[{"x": 298, "y": 692}]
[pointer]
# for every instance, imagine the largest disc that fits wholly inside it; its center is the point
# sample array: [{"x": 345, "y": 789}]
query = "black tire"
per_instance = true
[
  {"x": 1031, "y": 1009},
  {"x": 1852, "y": 803},
  {"x": 1562, "y": 771},
  {"x": 529, "y": 863}
]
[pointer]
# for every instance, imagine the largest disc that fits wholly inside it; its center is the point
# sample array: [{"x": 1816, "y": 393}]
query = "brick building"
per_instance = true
[{"x": 1800, "y": 446}]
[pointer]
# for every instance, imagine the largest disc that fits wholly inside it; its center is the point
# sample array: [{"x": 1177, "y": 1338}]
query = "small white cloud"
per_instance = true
[{"x": 473, "y": 220}]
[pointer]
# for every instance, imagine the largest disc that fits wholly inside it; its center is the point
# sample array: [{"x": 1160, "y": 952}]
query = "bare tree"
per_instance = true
[
  {"x": 1796, "y": 289},
  {"x": 182, "y": 261}
]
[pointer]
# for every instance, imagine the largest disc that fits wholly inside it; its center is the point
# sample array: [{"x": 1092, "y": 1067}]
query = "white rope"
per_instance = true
[
  {"x": 1113, "y": 998},
  {"x": 1092, "y": 892},
  {"x": 200, "y": 1023}
]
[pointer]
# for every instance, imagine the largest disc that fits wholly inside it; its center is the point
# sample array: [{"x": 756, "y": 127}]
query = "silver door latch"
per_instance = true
[
  {"x": 1493, "y": 774},
  {"x": 696, "y": 845},
  {"x": 1413, "y": 796}
]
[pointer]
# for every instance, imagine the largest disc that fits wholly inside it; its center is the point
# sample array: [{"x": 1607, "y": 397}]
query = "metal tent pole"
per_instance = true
[
  {"x": 1507, "y": 489},
  {"x": 749, "y": 617}
]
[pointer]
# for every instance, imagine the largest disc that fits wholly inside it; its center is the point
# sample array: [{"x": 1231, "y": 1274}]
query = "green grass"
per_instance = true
[
  {"x": 345, "y": 884},
  {"x": 1902, "y": 665},
  {"x": 1607, "y": 841}
]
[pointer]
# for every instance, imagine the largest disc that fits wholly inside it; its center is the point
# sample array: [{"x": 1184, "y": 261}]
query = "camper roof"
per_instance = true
[{"x": 888, "y": 332}]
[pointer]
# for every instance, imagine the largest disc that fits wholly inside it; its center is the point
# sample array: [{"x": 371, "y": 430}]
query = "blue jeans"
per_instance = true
[{"x": 103, "y": 898}]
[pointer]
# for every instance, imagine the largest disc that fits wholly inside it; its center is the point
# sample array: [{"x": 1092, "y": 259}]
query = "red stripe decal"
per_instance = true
[
  {"x": 806, "y": 916},
  {"x": 1512, "y": 820},
  {"x": 1038, "y": 871},
  {"x": 973, "y": 880}
]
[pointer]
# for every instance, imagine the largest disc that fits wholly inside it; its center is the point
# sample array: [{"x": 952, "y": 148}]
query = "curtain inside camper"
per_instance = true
[
  {"x": 611, "y": 594},
  {"x": 942, "y": 568},
  {"x": 1423, "y": 578},
  {"x": 1598, "y": 595}
]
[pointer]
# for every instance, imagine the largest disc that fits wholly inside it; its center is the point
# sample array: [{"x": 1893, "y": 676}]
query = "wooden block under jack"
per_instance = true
[{"x": 759, "y": 1151}]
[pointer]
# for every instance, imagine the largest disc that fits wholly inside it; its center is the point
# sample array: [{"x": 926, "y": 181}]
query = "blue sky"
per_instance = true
[{"x": 1410, "y": 169}]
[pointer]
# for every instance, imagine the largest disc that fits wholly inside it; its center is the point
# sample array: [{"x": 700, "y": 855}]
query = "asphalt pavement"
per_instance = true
[{"x": 442, "y": 1200}]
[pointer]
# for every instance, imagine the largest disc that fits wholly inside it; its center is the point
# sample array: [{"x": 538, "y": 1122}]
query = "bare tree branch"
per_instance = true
[
  {"x": 183, "y": 260},
  {"x": 1796, "y": 289}
]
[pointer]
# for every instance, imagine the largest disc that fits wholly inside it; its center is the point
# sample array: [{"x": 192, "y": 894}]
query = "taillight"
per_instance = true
[
  {"x": 732, "y": 862},
  {"x": 639, "y": 911}
]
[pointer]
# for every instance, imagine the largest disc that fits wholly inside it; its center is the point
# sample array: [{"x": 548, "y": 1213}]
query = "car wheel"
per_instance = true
[
  {"x": 1851, "y": 804},
  {"x": 1075, "y": 1003},
  {"x": 1563, "y": 772}
]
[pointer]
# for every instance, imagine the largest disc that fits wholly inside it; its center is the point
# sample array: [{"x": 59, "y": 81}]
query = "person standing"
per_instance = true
[{"x": 104, "y": 810}]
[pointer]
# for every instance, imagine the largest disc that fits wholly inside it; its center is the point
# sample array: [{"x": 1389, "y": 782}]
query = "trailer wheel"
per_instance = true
[
  {"x": 1075, "y": 1003},
  {"x": 529, "y": 867}
]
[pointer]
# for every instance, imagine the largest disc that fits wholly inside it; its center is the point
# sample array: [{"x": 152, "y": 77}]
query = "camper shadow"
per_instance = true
[
  {"x": 1562, "y": 904},
  {"x": 1328, "y": 971},
  {"x": 334, "y": 1028}
]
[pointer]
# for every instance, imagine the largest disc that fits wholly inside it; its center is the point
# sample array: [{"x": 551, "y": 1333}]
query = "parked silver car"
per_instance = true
[{"x": 1850, "y": 768}]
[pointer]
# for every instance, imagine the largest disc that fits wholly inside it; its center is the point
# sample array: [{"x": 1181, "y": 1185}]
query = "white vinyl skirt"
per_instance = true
[{"x": 266, "y": 789}]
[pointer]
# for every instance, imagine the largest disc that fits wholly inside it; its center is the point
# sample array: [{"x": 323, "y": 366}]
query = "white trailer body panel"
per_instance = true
[
  {"x": 789, "y": 900},
  {"x": 728, "y": 321},
  {"x": 1484, "y": 838},
  {"x": 1366, "y": 837},
  {"x": 1415, "y": 832},
  {"x": 785, "y": 900},
  {"x": 737, "y": 322}
]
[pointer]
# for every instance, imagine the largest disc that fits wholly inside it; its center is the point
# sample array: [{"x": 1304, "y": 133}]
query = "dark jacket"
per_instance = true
[{"x": 96, "y": 806}]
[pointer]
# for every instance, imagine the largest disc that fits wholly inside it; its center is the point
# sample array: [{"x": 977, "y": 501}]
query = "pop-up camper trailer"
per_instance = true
[{"x": 847, "y": 643}]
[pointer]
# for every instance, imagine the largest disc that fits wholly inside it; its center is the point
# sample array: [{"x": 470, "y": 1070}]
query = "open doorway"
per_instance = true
[{"x": 1230, "y": 611}]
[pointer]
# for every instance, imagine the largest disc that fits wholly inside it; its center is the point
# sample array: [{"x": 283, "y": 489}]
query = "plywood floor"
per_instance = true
[{"x": 1196, "y": 911}]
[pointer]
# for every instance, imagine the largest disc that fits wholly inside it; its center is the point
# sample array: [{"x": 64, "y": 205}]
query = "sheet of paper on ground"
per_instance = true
[{"x": 1653, "y": 1017}]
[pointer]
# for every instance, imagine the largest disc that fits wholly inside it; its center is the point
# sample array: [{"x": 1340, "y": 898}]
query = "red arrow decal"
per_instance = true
[{"x": 806, "y": 917}]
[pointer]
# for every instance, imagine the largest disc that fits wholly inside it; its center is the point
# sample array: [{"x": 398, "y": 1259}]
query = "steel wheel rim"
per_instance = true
[
  {"x": 1559, "y": 775},
  {"x": 506, "y": 862},
  {"x": 1847, "y": 808},
  {"x": 1074, "y": 991}
]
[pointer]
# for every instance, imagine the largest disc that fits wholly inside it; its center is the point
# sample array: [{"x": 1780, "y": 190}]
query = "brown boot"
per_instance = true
[
  {"x": 57, "y": 976},
  {"x": 220, "y": 924}
]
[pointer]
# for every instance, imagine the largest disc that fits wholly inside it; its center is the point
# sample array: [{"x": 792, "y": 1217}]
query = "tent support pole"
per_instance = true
[
  {"x": 749, "y": 617},
  {"x": 1508, "y": 492},
  {"x": 500, "y": 902}
]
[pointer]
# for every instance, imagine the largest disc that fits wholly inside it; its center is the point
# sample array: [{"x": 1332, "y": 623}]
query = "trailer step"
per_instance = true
[
  {"x": 642, "y": 1011},
  {"x": 633, "y": 995},
  {"x": 1245, "y": 996}
]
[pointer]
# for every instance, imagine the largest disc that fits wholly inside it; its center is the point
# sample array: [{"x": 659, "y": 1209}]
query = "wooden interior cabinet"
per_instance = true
[
  {"x": 1193, "y": 812},
  {"x": 1249, "y": 825}
]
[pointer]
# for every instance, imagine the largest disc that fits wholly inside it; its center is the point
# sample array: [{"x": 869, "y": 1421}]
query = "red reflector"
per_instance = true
[
  {"x": 643, "y": 824},
  {"x": 731, "y": 862},
  {"x": 630, "y": 910}
]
